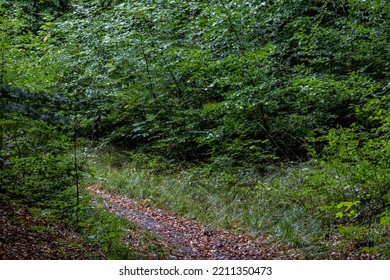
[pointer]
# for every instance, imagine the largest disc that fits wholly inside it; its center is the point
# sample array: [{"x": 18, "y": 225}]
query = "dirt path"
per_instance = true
[{"x": 191, "y": 239}]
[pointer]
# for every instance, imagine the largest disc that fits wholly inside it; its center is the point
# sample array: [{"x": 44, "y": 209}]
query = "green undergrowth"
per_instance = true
[
  {"x": 117, "y": 237},
  {"x": 310, "y": 206},
  {"x": 98, "y": 234},
  {"x": 39, "y": 173},
  {"x": 232, "y": 90}
]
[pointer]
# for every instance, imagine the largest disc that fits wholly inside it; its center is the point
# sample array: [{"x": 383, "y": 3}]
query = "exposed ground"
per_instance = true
[
  {"x": 190, "y": 239},
  {"x": 25, "y": 237}
]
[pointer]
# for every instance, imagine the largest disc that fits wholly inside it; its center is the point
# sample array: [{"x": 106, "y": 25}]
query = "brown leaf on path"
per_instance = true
[{"x": 191, "y": 239}]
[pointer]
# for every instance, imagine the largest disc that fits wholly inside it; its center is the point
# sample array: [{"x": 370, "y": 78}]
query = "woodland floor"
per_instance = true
[
  {"x": 25, "y": 237},
  {"x": 190, "y": 239}
]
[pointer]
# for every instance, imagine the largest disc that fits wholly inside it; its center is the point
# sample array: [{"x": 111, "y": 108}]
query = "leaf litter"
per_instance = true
[
  {"x": 191, "y": 239},
  {"x": 25, "y": 237}
]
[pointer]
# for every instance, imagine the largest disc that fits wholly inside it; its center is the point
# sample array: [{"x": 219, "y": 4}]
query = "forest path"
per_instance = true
[{"x": 191, "y": 239}]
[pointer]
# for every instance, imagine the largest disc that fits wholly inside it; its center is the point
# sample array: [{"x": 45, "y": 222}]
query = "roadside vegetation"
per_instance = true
[{"x": 299, "y": 205}]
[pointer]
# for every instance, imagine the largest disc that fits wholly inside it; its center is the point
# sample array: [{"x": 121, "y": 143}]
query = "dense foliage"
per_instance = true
[{"x": 227, "y": 85}]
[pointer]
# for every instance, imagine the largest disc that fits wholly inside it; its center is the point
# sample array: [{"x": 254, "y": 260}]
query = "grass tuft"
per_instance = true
[{"x": 292, "y": 204}]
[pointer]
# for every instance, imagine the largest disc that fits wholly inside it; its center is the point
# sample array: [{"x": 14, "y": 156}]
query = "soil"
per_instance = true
[
  {"x": 191, "y": 239},
  {"x": 26, "y": 237}
]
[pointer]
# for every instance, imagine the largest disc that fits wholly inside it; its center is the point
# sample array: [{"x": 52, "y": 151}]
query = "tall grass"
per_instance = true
[
  {"x": 294, "y": 204},
  {"x": 236, "y": 201}
]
